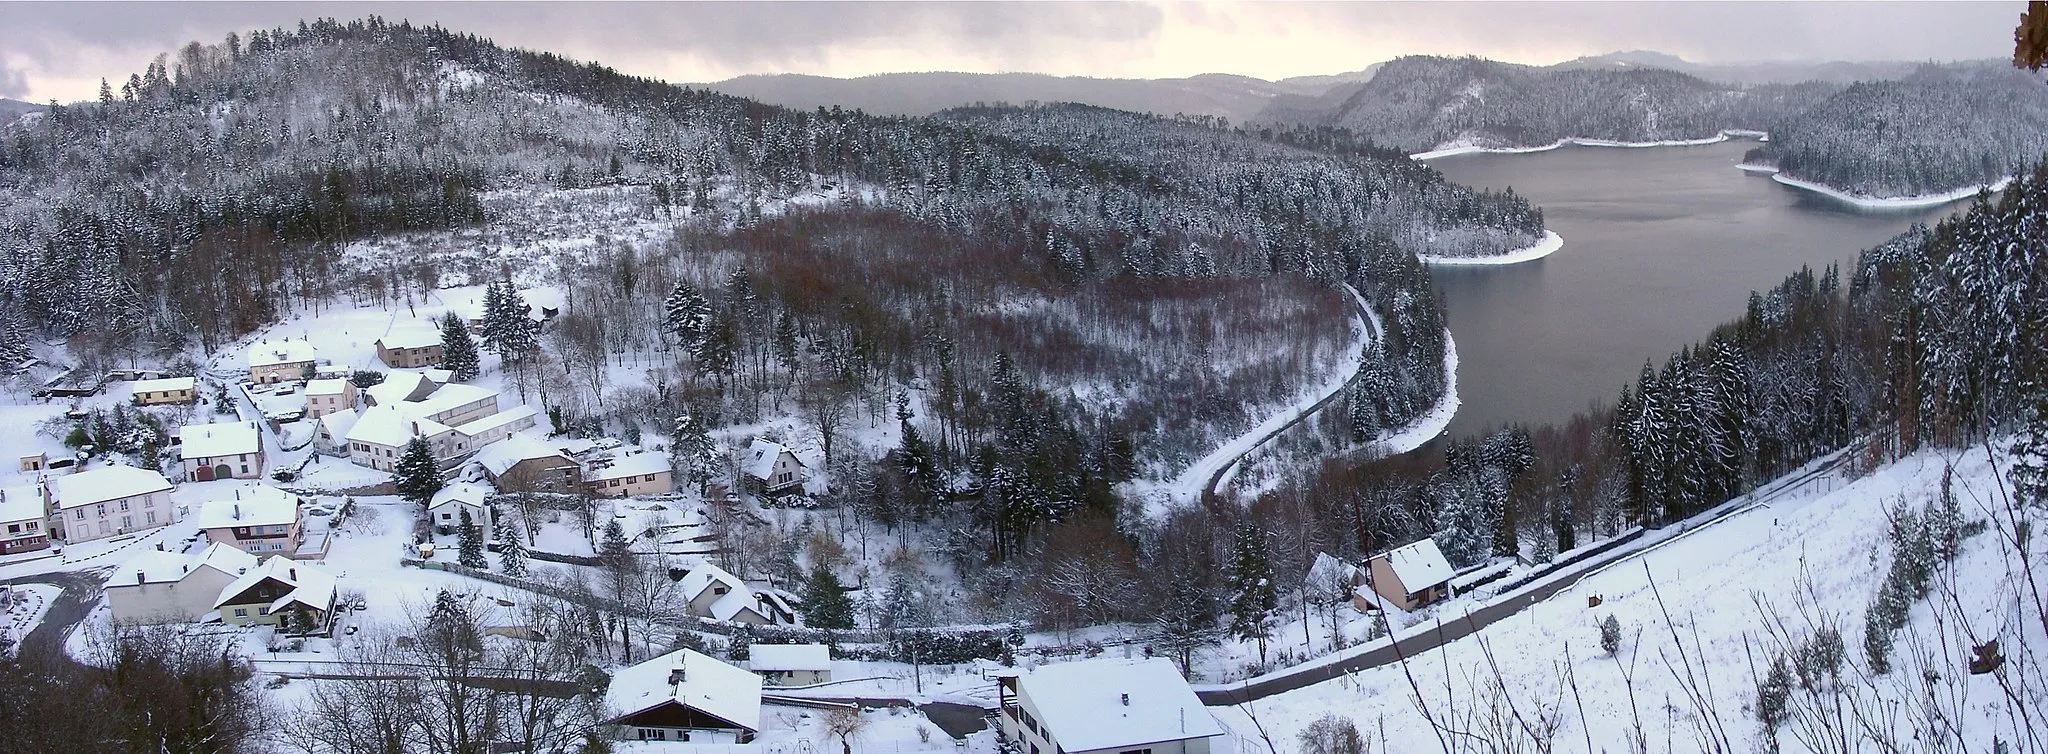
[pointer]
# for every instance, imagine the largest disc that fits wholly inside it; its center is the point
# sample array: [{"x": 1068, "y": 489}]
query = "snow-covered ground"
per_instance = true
[
  {"x": 1551, "y": 242},
  {"x": 1887, "y": 202},
  {"x": 1692, "y": 609}
]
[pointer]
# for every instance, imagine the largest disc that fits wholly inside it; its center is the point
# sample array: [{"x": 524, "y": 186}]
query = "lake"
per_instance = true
[{"x": 1660, "y": 245}]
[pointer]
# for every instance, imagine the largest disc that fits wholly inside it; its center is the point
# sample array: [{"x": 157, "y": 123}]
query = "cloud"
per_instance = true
[
  {"x": 62, "y": 49},
  {"x": 13, "y": 83}
]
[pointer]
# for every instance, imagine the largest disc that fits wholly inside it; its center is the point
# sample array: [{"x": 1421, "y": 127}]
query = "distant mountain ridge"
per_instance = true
[
  {"x": 1765, "y": 72},
  {"x": 1237, "y": 98},
  {"x": 12, "y": 109}
]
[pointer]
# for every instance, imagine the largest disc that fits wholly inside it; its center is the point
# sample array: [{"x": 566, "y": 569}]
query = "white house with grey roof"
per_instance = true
[
  {"x": 108, "y": 501},
  {"x": 773, "y": 467},
  {"x": 1105, "y": 706},
  {"x": 258, "y": 519},
  {"x": 154, "y": 586},
  {"x": 220, "y": 451}
]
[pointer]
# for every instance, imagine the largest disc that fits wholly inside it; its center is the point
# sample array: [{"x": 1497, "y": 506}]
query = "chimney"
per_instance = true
[
  {"x": 1126, "y": 699},
  {"x": 675, "y": 677},
  {"x": 238, "y": 509},
  {"x": 292, "y": 573},
  {"x": 140, "y": 579}
]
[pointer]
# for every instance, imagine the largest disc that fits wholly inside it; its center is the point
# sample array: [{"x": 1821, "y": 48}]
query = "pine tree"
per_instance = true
[
  {"x": 2030, "y": 454},
  {"x": 1253, "y": 596},
  {"x": 825, "y": 602},
  {"x": 686, "y": 315},
  {"x": 417, "y": 474},
  {"x": 511, "y": 550},
  {"x": 458, "y": 350},
  {"x": 692, "y": 451},
  {"x": 470, "y": 544},
  {"x": 509, "y": 329}
]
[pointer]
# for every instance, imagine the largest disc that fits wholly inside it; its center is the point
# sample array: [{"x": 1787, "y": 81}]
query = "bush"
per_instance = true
[
  {"x": 1774, "y": 696},
  {"x": 1820, "y": 661},
  {"x": 1610, "y": 636},
  {"x": 1331, "y": 734}
]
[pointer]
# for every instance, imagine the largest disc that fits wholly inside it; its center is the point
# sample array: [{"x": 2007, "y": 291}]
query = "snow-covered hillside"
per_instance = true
[{"x": 1702, "y": 618}]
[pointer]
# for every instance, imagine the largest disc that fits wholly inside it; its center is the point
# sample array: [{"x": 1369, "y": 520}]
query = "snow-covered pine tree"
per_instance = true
[
  {"x": 1253, "y": 595},
  {"x": 511, "y": 549},
  {"x": 417, "y": 475},
  {"x": 470, "y": 543},
  {"x": 458, "y": 349},
  {"x": 693, "y": 454},
  {"x": 686, "y": 316}
]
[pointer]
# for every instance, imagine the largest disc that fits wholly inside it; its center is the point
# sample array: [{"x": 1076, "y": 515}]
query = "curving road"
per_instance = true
[{"x": 81, "y": 593}]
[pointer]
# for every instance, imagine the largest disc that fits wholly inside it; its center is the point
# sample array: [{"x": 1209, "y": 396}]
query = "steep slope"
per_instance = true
[
  {"x": 1748, "y": 74},
  {"x": 1940, "y": 129}
]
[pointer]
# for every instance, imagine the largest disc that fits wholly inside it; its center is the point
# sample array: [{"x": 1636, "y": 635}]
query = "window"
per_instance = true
[
  {"x": 81, "y": 514},
  {"x": 34, "y": 525},
  {"x": 1135, "y": 751},
  {"x": 245, "y": 468},
  {"x": 124, "y": 505},
  {"x": 615, "y": 483},
  {"x": 241, "y": 612},
  {"x": 148, "y": 516},
  {"x": 653, "y": 734},
  {"x": 127, "y": 522},
  {"x": 14, "y": 528},
  {"x": 445, "y": 516},
  {"x": 650, "y": 478}
]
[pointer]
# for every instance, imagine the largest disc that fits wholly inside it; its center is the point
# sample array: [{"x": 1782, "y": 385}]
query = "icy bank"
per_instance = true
[
  {"x": 1551, "y": 242},
  {"x": 1890, "y": 202}
]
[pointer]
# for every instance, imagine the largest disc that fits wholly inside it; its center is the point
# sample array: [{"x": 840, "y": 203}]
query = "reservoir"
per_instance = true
[{"x": 1660, "y": 245}]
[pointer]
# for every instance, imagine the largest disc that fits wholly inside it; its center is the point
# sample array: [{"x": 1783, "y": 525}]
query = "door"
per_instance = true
[
  {"x": 204, "y": 473},
  {"x": 223, "y": 472}
]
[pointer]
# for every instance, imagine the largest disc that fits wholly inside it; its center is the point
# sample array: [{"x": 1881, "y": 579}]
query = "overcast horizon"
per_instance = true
[{"x": 62, "y": 50}]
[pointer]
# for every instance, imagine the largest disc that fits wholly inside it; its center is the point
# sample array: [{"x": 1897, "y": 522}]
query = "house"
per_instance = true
[
  {"x": 446, "y": 508},
  {"x": 21, "y": 520},
  {"x": 1105, "y": 705},
  {"x": 629, "y": 475},
  {"x": 281, "y": 361},
  {"x": 1411, "y": 575},
  {"x": 108, "y": 501},
  {"x": 791, "y": 664},
  {"x": 259, "y": 520},
  {"x": 220, "y": 451},
  {"x": 1331, "y": 580},
  {"x": 712, "y": 592},
  {"x": 420, "y": 396},
  {"x": 155, "y": 586},
  {"x": 410, "y": 348},
  {"x": 684, "y": 696},
  {"x": 34, "y": 462},
  {"x": 166, "y": 391},
  {"x": 457, "y": 420},
  {"x": 523, "y": 463},
  {"x": 332, "y": 437},
  {"x": 773, "y": 467},
  {"x": 270, "y": 594},
  {"x": 327, "y": 396}
]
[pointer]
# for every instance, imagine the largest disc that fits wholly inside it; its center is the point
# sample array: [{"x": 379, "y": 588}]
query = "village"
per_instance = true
[{"x": 275, "y": 511}]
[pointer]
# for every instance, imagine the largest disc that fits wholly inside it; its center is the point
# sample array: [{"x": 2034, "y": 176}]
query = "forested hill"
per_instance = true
[
  {"x": 274, "y": 149},
  {"x": 11, "y": 109},
  {"x": 1940, "y": 129},
  {"x": 1422, "y": 103}
]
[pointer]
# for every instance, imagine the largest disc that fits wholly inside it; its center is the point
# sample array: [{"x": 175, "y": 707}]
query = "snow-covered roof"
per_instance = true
[
  {"x": 761, "y": 458},
  {"x": 467, "y": 493},
  {"x": 107, "y": 483},
  {"x": 160, "y": 567},
  {"x": 1328, "y": 572},
  {"x": 399, "y": 387},
  {"x": 627, "y": 466},
  {"x": 391, "y": 428},
  {"x": 1419, "y": 565},
  {"x": 216, "y": 440},
  {"x": 338, "y": 423},
  {"x": 703, "y": 576},
  {"x": 335, "y": 386},
  {"x": 494, "y": 421},
  {"x": 445, "y": 397},
  {"x": 411, "y": 337},
  {"x": 790, "y": 657},
  {"x": 499, "y": 457},
  {"x": 439, "y": 375},
  {"x": 310, "y": 585},
  {"x": 272, "y": 353},
  {"x": 257, "y": 505},
  {"x": 166, "y": 384},
  {"x": 24, "y": 503},
  {"x": 691, "y": 679},
  {"x": 1112, "y": 703},
  {"x": 732, "y": 604}
]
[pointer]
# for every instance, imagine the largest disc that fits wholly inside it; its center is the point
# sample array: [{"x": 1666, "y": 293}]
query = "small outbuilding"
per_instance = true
[{"x": 791, "y": 664}]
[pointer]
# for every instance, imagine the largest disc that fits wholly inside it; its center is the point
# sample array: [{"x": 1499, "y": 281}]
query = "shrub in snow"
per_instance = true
[
  {"x": 1331, "y": 734},
  {"x": 1819, "y": 662},
  {"x": 1610, "y": 635},
  {"x": 1773, "y": 700}
]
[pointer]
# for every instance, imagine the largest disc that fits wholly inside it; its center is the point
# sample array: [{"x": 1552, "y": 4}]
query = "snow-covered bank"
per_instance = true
[
  {"x": 1431, "y": 423},
  {"x": 1889, "y": 202},
  {"x": 1456, "y": 149},
  {"x": 1551, "y": 242}
]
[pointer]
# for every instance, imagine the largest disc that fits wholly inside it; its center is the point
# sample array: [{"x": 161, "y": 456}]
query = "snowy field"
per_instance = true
[{"x": 1693, "y": 612}]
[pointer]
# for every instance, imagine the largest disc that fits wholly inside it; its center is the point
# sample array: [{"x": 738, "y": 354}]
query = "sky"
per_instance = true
[{"x": 61, "y": 50}]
